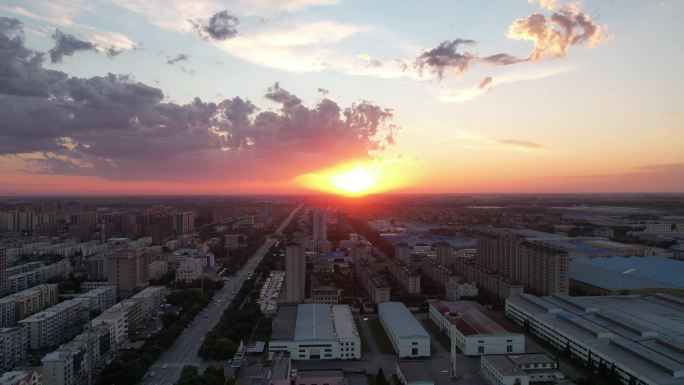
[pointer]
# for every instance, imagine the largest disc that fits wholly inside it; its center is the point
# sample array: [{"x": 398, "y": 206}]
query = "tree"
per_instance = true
[
  {"x": 380, "y": 377},
  {"x": 590, "y": 363}
]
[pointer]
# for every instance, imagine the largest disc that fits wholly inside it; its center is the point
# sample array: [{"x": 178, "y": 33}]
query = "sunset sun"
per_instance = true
[{"x": 356, "y": 181}]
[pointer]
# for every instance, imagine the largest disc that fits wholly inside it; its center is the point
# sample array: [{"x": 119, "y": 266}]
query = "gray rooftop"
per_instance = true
[
  {"x": 401, "y": 321},
  {"x": 415, "y": 371},
  {"x": 611, "y": 280},
  {"x": 639, "y": 272},
  {"x": 644, "y": 333},
  {"x": 284, "y": 323},
  {"x": 314, "y": 322}
]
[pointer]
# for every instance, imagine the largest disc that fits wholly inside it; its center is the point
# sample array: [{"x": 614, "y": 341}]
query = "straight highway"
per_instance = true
[{"x": 167, "y": 369}]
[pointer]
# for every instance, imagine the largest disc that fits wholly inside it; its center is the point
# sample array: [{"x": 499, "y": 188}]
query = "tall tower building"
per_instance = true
[
  {"x": 295, "y": 273},
  {"x": 124, "y": 270},
  {"x": 319, "y": 220},
  {"x": 3, "y": 272},
  {"x": 444, "y": 252}
]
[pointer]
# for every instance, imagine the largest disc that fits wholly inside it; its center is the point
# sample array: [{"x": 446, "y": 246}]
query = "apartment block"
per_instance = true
[
  {"x": 295, "y": 273},
  {"x": 509, "y": 261},
  {"x": 189, "y": 270},
  {"x": 124, "y": 270},
  {"x": 14, "y": 346},
  {"x": 20, "y": 305}
]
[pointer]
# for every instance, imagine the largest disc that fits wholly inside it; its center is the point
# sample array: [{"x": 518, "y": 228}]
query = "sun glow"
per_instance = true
[{"x": 354, "y": 180}]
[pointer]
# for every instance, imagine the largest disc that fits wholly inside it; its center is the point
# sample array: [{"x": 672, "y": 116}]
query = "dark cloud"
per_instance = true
[
  {"x": 501, "y": 59},
  {"x": 66, "y": 45},
  {"x": 323, "y": 91},
  {"x": 521, "y": 144},
  {"x": 221, "y": 26},
  {"x": 177, "y": 58},
  {"x": 115, "y": 127},
  {"x": 445, "y": 57},
  {"x": 485, "y": 82}
]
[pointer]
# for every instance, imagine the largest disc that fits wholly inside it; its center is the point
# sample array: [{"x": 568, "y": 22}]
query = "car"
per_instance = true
[
  {"x": 152, "y": 374},
  {"x": 165, "y": 366}
]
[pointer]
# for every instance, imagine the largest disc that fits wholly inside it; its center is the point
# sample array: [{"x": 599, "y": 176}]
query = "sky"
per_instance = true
[{"x": 290, "y": 96}]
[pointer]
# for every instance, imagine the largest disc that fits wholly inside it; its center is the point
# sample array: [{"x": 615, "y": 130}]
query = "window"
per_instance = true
[
  {"x": 509, "y": 349},
  {"x": 414, "y": 351},
  {"x": 480, "y": 349}
]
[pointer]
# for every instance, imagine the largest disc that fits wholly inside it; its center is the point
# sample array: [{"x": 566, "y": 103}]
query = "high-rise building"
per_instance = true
[
  {"x": 342, "y": 219},
  {"x": 295, "y": 273},
  {"x": 124, "y": 271},
  {"x": 3, "y": 272},
  {"x": 444, "y": 253},
  {"x": 183, "y": 222},
  {"x": 511, "y": 255},
  {"x": 319, "y": 219}
]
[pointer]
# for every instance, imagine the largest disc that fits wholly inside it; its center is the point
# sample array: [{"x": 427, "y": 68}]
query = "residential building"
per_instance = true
[
  {"x": 67, "y": 365},
  {"x": 20, "y": 305},
  {"x": 97, "y": 267},
  {"x": 25, "y": 376},
  {"x": 295, "y": 273},
  {"x": 509, "y": 260},
  {"x": 376, "y": 286},
  {"x": 90, "y": 285},
  {"x": 157, "y": 269},
  {"x": 319, "y": 221},
  {"x": 189, "y": 270},
  {"x": 14, "y": 346},
  {"x": 124, "y": 270},
  {"x": 55, "y": 324},
  {"x": 406, "y": 276},
  {"x": 99, "y": 298},
  {"x": 408, "y": 337},
  {"x": 3, "y": 271}
]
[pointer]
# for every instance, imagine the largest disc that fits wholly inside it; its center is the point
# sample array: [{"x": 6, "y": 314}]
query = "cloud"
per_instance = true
[
  {"x": 444, "y": 57},
  {"x": 177, "y": 58},
  {"x": 568, "y": 25},
  {"x": 114, "y": 127},
  {"x": 67, "y": 45},
  {"x": 110, "y": 43},
  {"x": 221, "y": 26},
  {"x": 501, "y": 59},
  {"x": 285, "y": 5},
  {"x": 663, "y": 177},
  {"x": 301, "y": 47},
  {"x": 323, "y": 91},
  {"x": 370, "y": 62},
  {"x": 460, "y": 95},
  {"x": 52, "y": 19},
  {"x": 485, "y": 82},
  {"x": 521, "y": 144}
]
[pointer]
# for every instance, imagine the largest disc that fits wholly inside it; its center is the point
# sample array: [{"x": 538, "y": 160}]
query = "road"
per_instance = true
[{"x": 184, "y": 350}]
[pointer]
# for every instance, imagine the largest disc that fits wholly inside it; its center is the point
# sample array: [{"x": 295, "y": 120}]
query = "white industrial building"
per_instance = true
[
  {"x": 315, "y": 331},
  {"x": 641, "y": 336},
  {"x": 520, "y": 369},
  {"x": 475, "y": 330},
  {"x": 408, "y": 337}
]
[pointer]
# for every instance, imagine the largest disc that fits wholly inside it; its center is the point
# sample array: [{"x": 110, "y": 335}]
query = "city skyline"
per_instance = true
[{"x": 344, "y": 97}]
